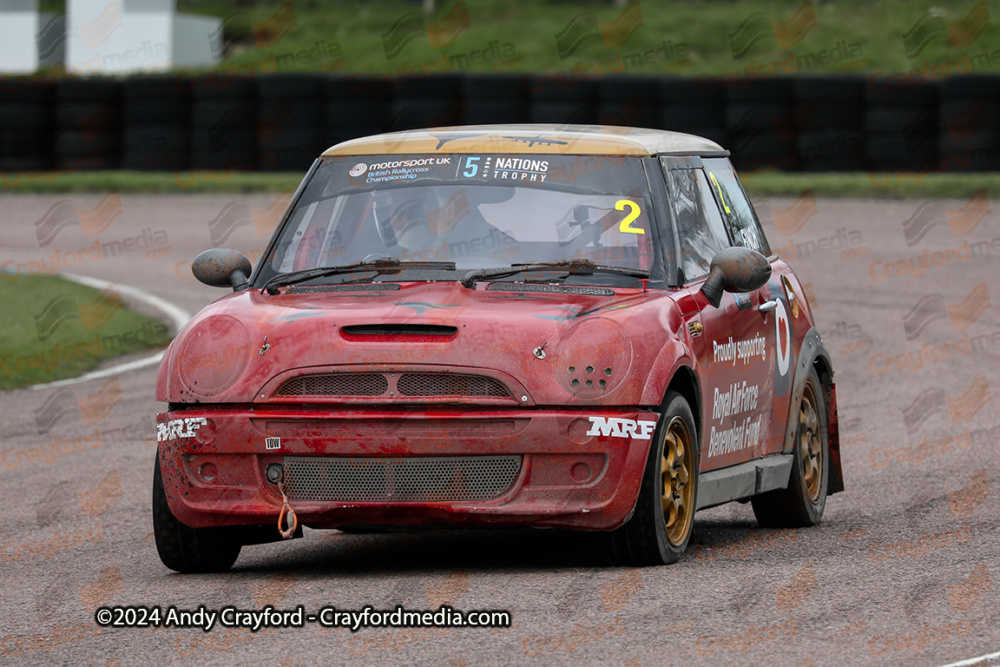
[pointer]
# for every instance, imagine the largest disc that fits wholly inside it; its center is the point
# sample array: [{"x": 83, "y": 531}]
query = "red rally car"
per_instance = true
[{"x": 576, "y": 327}]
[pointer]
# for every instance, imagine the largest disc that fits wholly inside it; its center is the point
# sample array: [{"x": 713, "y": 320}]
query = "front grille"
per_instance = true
[
  {"x": 440, "y": 384},
  {"x": 336, "y": 384},
  {"x": 400, "y": 480},
  {"x": 423, "y": 385}
]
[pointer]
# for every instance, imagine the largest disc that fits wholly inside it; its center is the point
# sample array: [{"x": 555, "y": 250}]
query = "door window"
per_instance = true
[
  {"x": 739, "y": 213},
  {"x": 700, "y": 228}
]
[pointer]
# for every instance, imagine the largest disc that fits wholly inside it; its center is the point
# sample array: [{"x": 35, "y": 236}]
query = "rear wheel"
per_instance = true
[
  {"x": 803, "y": 501},
  {"x": 189, "y": 550},
  {"x": 660, "y": 528}
]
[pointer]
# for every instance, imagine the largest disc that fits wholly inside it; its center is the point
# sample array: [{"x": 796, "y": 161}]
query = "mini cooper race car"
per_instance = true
[{"x": 576, "y": 327}]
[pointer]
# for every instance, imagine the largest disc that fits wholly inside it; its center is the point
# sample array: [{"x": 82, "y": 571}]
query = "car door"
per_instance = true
[{"x": 734, "y": 344}]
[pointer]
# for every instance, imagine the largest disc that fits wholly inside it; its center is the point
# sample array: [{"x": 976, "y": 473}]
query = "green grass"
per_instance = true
[
  {"x": 861, "y": 185},
  {"x": 148, "y": 182},
  {"x": 875, "y": 185},
  {"x": 70, "y": 348},
  {"x": 350, "y": 36}
]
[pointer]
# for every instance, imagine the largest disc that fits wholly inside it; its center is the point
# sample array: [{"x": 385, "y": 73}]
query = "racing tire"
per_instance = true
[
  {"x": 189, "y": 550},
  {"x": 660, "y": 527},
  {"x": 801, "y": 503}
]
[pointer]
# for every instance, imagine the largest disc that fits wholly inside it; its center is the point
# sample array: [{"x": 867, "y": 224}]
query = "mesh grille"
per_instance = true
[
  {"x": 336, "y": 384},
  {"x": 400, "y": 480},
  {"x": 440, "y": 384},
  {"x": 564, "y": 289}
]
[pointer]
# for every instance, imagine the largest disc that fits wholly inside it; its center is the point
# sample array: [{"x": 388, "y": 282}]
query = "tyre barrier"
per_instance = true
[
  {"x": 281, "y": 122},
  {"x": 27, "y": 117},
  {"x": 156, "y": 117},
  {"x": 88, "y": 124}
]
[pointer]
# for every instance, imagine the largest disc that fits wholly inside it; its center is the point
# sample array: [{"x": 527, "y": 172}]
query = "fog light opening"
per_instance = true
[{"x": 275, "y": 471}]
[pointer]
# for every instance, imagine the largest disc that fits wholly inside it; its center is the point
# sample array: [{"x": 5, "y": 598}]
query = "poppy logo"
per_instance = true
[
  {"x": 358, "y": 169},
  {"x": 782, "y": 337}
]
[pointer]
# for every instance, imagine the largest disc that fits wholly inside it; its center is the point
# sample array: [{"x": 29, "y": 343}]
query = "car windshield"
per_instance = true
[{"x": 478, "y": 211}]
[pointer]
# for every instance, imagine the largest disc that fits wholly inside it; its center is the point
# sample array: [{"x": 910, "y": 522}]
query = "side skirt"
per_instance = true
[{"x": 744, "y": 480}]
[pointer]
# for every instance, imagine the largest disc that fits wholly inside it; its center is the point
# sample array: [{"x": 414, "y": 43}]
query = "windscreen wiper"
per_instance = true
[
  {"x": 582, "y": 267},
  {"x": 381, "y": 266}
]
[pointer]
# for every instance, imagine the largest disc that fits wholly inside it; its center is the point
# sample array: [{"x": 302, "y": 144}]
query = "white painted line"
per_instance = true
[
  {"x": 973, "y": 661},
  {"x": 178, "y": 318}
]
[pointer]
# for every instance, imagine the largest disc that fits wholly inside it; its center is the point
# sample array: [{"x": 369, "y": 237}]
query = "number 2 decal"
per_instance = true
[
  {"x": 718, "y": 187},
  {"x": 626, "y": 224}
]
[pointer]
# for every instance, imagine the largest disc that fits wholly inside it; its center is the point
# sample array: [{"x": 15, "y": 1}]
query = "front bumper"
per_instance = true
[{"x": 572, "y": 472}]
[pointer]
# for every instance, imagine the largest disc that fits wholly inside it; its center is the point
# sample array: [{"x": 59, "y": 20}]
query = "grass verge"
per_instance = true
[
  {"x": 55, "y": 329},
  {"x": 715, "y": 37},
  {"x": 860, "y": 185}
]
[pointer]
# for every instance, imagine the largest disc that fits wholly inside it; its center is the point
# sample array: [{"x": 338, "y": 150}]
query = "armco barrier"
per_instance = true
[{"x": 280, "y": 122}]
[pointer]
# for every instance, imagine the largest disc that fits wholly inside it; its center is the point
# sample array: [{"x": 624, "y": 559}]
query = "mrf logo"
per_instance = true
[
  {"x": 621, "y": 428},
  {"x": 179, "y": 428}
]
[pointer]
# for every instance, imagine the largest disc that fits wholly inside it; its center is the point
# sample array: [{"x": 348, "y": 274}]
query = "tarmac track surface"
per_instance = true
[{"x": 903, "y": 570}]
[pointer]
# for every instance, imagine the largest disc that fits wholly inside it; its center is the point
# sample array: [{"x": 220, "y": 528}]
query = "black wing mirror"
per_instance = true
[
  {"x": 222, "y": 267},
  {"x": 735, "y": 269}
]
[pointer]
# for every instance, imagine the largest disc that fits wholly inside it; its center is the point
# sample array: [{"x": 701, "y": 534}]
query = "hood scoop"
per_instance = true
[{"x": 398, "y": 332}]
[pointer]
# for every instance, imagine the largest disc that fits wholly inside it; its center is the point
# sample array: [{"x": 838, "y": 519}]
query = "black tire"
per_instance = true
[
  {"x": 801, "y": 504},
  {"x": 644, "y": 539},
  {"x": 189, "y": 550}
]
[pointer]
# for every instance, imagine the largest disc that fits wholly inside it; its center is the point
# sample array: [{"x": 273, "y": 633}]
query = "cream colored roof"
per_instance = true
[{"x": 536, "y": 138}]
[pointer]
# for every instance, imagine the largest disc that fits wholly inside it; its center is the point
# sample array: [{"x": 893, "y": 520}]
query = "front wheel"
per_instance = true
[
  {"x": 802, "y": 502},
  {"x": 660, "y": 528},
  {"x": 189, "y": 550}
]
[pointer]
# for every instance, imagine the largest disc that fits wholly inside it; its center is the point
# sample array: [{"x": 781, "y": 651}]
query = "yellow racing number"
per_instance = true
[
  {"x": 718, "y": 187},
  {"x": 625, "y": 225}
]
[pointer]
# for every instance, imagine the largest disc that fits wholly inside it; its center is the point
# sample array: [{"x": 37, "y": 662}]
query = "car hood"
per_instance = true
[{"x": 565, "y": 346}]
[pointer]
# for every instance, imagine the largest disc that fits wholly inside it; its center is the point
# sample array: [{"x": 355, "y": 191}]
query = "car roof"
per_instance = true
[{"x": 531, "y": 138}]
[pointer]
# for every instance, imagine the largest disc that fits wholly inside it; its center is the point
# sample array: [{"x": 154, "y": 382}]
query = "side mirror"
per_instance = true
[
  {"x": 222, "y": 267},
  {"x": 735, "y": 269}
]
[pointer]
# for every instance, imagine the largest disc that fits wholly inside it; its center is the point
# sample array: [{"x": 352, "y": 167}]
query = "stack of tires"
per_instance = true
[
  {"x": 694, "y": 106},
  {"x": 428, "y": 101},
  {"x": 88, "y": 124},
  {"x": 157, "y": 116},
  {"x": 290, "y": 121},
  {"x": 494, "y": 98},
  {"x": 830, "y": 118},
  {"x": 26, "y": 129},
  {"x": 356, "y": 107},
  {"x": 563, "y": 101},
  {"x": 901, "y": 124},
  {"x": 629, "y": 101},
  {"x": 759, "y": 117},
  {"x": 223, "y": 118},
  {"x": 969, "y": 123}
]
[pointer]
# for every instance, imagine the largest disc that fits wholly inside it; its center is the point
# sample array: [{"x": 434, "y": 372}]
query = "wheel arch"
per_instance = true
[
  {"x": 685, "y": 382},
  {"x": 814, "y": 355}
]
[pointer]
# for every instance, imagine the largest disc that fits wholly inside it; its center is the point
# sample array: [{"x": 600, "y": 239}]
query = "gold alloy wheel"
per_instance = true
[
  {"x": 810, "y": 444},
  {"x": 677, "y": 489}
]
